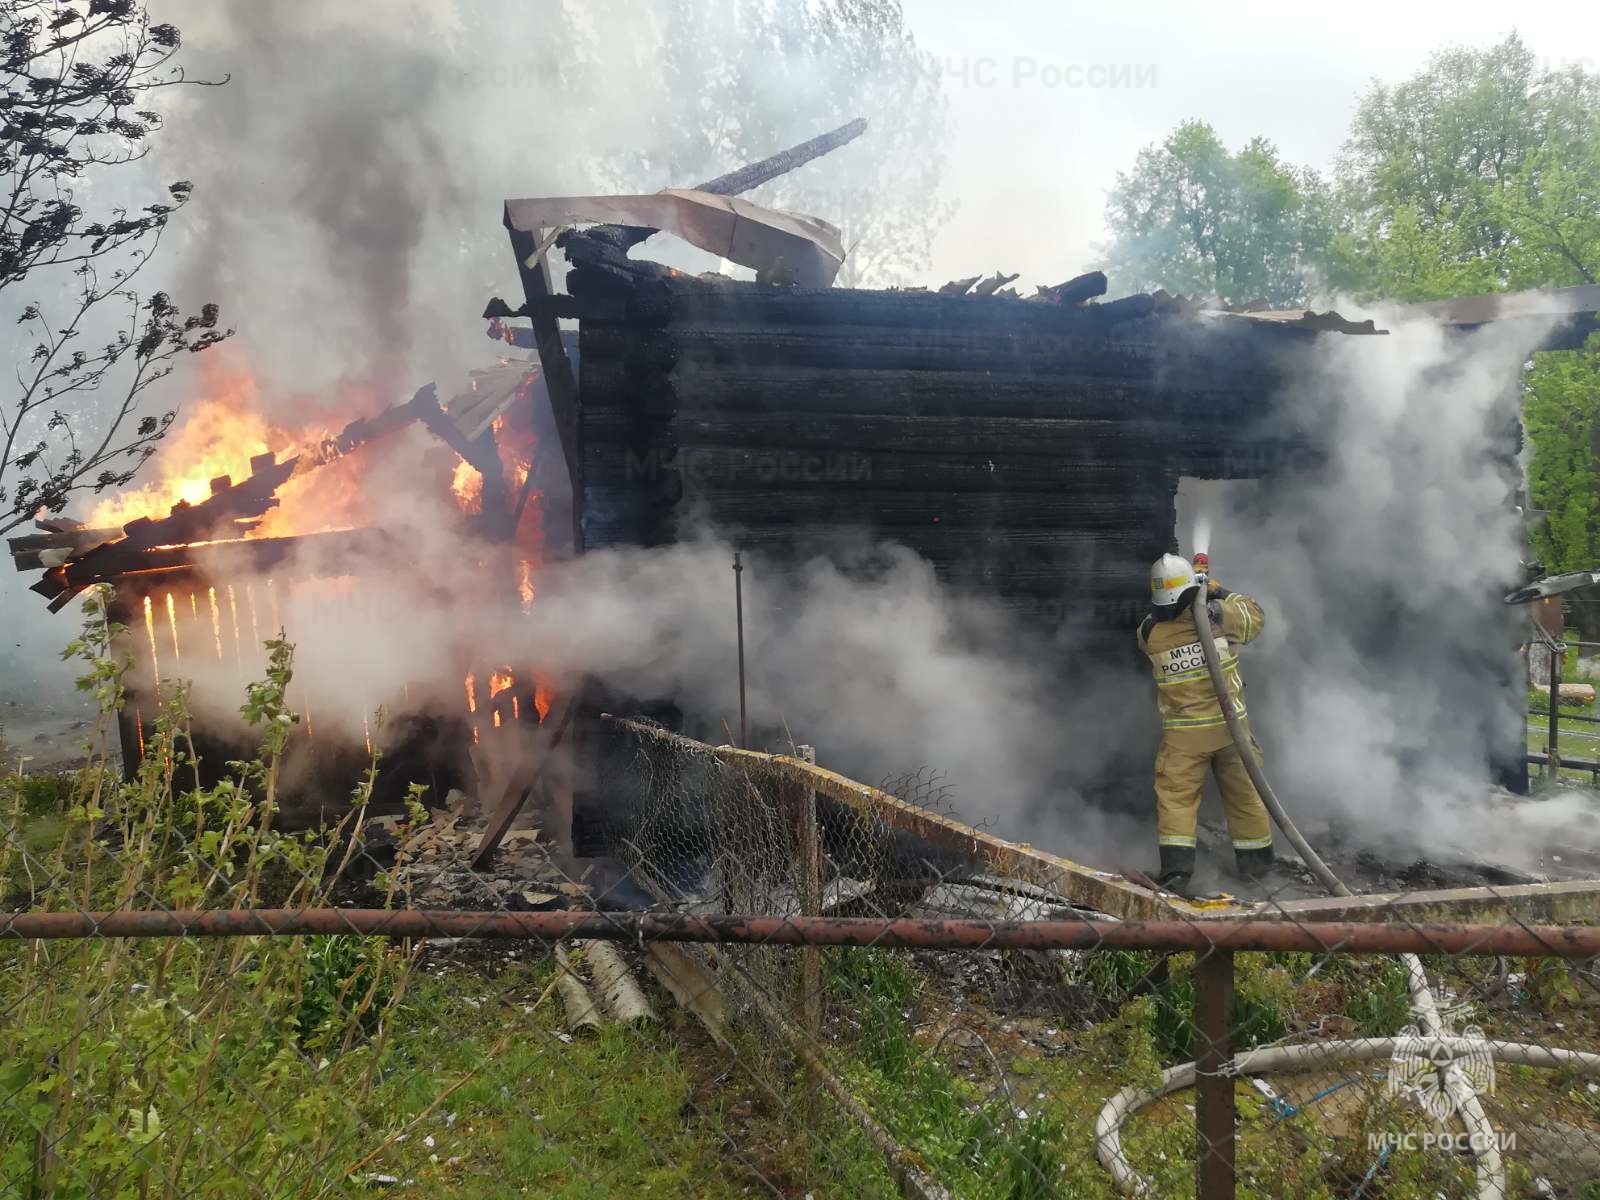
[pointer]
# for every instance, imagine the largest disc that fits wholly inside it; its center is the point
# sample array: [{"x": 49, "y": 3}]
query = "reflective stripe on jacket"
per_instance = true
[{"x": 1183, "y": 685}]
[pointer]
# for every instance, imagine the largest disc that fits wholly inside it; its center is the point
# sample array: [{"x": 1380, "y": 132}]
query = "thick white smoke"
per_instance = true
[{"x": 1388, "y": 672}]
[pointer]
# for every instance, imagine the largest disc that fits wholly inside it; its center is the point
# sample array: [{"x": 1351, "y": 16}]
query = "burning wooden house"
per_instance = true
[
  {"x": 206, "y": 567},
  {"x": 1031, "y": 449}
]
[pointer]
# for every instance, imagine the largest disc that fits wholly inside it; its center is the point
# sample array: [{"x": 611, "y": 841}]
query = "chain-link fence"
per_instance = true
[{"x": 779, "y": 982}]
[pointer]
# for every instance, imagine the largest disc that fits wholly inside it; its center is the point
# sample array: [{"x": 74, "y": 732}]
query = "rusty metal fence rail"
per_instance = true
[{"x": 781, "y": 982}]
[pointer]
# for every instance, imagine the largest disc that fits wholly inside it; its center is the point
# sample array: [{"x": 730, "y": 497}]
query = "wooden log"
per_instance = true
[
  {"x": 699, "y": 303},
  {"x": 750, "y": 389},
  {"x": 697, "y": 468},
  {"x": 692, "y": 985},
  {"x": 1576, "y": 693},
  {"x": 1104, "y": 437},
  {"x": 900, "y": 451},
  {"x": 1077, "y": 289},
  {"x": 1132, "y": 352},
  {"x": 767, "y": 505},
  {"x": 582, "y": 1015},
  {"x": 615, "y": 986}
]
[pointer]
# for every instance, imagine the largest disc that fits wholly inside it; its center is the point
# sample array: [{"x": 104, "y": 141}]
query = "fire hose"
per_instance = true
[{"x": 1463, "y": 1098}]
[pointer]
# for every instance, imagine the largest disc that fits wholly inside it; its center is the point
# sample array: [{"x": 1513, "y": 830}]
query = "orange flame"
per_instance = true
[
  {"x": 219, "y": 437},
  {"x": 472, "y": 694},
  {"x": 172, "y": 621},
  {"x": 150, "y": 628},
  {"x": 499, "y": 681},
  {"x": 541, "y": 700},
  {"x": 525, "y": 588},
  {"x": 224, "y": 428},
  {"x": 466, "y": 485},
  {"x": 216, "y": 621}
]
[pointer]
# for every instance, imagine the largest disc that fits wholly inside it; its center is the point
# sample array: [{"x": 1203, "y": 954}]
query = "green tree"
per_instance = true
[
  {"x": 1194, "y": 218},
  {"x": 1559, "y": 410},
  {"x": 1477, "y": 174}
]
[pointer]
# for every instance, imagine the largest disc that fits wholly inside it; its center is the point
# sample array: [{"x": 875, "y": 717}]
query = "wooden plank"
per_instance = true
[
  {"x": 523, "y": 782},
  {"x": 1566, "y": 903},
  {"x": 753, "y": 175}
]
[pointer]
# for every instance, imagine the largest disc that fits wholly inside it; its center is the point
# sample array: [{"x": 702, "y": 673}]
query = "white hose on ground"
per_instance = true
[
  {"x": 1466, "y": 1102},
  {"x": 1290, "y": 1060}
]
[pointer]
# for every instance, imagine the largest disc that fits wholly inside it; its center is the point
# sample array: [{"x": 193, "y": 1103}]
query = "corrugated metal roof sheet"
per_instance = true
[
  {"x": 1500, "y": 306},
  {"x": 1305, "y": 318}
]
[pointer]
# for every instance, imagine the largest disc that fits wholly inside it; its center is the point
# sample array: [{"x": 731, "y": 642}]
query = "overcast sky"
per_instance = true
[{"x": 1033, "y": 155}]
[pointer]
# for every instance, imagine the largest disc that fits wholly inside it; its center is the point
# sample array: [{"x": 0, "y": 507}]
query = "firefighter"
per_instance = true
[{"x": 1194, "y": 735}]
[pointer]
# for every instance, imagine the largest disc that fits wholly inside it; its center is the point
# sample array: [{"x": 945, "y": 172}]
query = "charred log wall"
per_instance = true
[{"x": 1028, "y": 450}]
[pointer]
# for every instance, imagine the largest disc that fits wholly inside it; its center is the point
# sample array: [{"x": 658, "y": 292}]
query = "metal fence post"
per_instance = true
[
  {"x": 810, "y": 863},
  {"x": 1214, "y": 1109},
  {"x": 1552, "y": 766}
]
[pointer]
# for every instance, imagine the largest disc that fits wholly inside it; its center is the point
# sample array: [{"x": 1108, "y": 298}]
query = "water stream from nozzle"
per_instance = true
[{"x": 1202, "y": 533}]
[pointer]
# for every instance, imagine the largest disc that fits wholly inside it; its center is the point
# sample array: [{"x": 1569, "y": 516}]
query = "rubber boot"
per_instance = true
[
  {"x": 1177, "y": 869},
  {"x": 1254, "y": 864}
]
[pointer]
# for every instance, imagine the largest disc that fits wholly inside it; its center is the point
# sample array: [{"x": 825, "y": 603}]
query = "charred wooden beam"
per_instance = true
[
  {"x": 363, "y": 430},
  {"x": 41, "y": 551},
  {"x": 781, "y": 163},
  {"x": 1078, "y": 289},
  {"x": 316, "y": 554},
  {"x": 524, "y": 781},
  {"x": 552, "y": 306},
  {"x": 561, "y": 385},
  {"x": 230, "y": 506}
]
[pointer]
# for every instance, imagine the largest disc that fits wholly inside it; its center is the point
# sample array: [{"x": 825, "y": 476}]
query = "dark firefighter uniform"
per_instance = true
[{"x": 1194, "y": 734}]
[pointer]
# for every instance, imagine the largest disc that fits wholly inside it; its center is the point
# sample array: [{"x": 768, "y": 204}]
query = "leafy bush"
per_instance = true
[
  {"x": 181, "y": 1066},
  {"x": 1381, "y": 1006},
  {"x": 42, "y": 795}
]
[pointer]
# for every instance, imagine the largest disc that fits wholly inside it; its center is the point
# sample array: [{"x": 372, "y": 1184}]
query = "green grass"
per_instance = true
[
  {"x": 540, "y": 1114},
  {"x": 26, "y": 872}
]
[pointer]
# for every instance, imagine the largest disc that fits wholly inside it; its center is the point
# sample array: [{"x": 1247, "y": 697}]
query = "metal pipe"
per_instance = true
[{"x": 1335, "y": 937}]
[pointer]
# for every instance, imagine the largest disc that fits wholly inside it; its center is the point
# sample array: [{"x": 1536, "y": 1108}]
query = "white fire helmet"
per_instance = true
[{"x": 1170, "y": 577}]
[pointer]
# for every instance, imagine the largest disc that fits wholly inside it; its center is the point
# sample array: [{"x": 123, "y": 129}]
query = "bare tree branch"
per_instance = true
[{"x": 76, "y": 81}]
